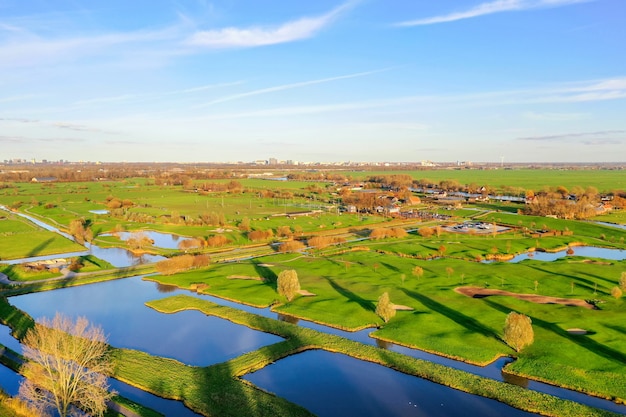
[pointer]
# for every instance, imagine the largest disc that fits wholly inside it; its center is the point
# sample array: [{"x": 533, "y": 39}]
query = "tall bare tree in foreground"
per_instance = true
[
  {"x": 518, "y": 331},
  {"x": 66, "y": 367}
]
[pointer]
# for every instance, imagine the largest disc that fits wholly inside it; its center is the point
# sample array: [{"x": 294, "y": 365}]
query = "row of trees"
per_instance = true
[
  {"x": 182, "y": 263},
  {"x": 382, "y": 233}
]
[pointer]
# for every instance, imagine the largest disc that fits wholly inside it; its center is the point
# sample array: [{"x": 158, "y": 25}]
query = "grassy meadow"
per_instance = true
[
  {"x": 508, "y": 179},
  {"x": 19, "y": 238},
  {"x": 345, "y": 280}
]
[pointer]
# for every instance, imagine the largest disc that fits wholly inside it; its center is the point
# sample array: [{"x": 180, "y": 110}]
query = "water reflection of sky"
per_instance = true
[
  {"x": 330, "y": 384},
  {"x": 159, "y": 239},
  {"x": 118, "y": 307}
]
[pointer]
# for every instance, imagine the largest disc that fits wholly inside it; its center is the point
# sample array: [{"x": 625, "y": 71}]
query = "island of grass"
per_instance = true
[{"x": 442, "y": 320}]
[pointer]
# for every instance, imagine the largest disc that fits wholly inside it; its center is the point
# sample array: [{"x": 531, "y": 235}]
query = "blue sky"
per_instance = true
[{"x": 356, "y": 80}]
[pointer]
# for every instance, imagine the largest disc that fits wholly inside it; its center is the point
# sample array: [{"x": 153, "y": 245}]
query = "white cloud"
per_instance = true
[
  {"x": 497, "y": 6},
  {"x": 233, "y": 37},
  {"x": 555, "y": 117},
  {"x": 32, "y": 49},
  {"x": 287, "y": 87},
  {"x": 600, "y": 90},
  {"x": 568, "y": 136}
]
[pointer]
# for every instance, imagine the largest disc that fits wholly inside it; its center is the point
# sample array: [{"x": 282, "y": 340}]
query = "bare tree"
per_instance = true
[
  {"x": 288, "y": 284},
  {"x": 66, "y": 367},
  {"x": 418, "y": 271},
  {"x": 622, "y": 281},
  {"x": 518, "y": 331},
  {"x": 138, "y": 240}
]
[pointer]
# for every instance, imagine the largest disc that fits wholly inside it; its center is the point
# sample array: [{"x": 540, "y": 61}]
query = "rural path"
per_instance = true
[{"x": 4, "y": 279}]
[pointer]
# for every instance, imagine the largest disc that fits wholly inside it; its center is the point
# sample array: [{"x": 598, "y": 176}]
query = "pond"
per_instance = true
[
  {"x": 616, "y": 225},
  {"x": 159, "y": 239},
  {"x": 9, "y": 380},
  {"x": 118, "y": 307},
  {"x": 332, "y": 384},
  {"x": 586, "y": 251}
]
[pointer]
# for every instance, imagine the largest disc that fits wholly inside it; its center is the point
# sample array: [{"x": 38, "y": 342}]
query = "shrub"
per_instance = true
[
  {"x": 257, "y": 235},
  {"x": 384, "y": 307},
  {"x": 216, "y": 241},
  {"x": 616, "y": 292},
  {"x": 291, "y": 246},
  {"x": 288, "y": 284},
  {"x": 425, "y": 231},
  {"x": 518, "y": 331}
]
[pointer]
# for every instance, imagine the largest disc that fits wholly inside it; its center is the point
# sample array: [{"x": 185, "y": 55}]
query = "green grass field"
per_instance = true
[
  {"x": 20, "y": 238},
  {"x": 527, "y": 179},
  {"x": 347, "y": 279}
]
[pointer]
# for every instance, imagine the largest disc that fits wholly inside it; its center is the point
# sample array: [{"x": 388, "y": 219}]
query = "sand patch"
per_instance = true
[
  {"x": 399, "y": 307},
  {"x": 306, "y": 293},
  {"x": 476, "y": 292},
  {"x": 246, "y": 277},
  {"x": 577, "y": 331},
  {"x": 266, "y": 265}
]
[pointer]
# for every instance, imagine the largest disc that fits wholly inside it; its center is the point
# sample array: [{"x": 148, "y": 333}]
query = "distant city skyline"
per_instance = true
[{"x": 357, "y": 80}]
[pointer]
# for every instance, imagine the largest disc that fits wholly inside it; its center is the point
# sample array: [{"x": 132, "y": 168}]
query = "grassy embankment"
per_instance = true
[
  {"x": 90, "y": 264},
  {"x": 80, "y": 279}
]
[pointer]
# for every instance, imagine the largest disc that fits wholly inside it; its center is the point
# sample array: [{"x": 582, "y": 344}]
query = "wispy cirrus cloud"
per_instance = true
[
  {"x": 18, "y": 119},
  {"x": 82, "y": 128},
  {"x": 609, "y": 89},
  {"x": 25, "y": 139},
  {"x": 295, "y": 30},
  {"x": 498, "y": 6},
  {"x": 287, "y": 87},
  {"x": 26, "y": 47},
  {"x": 568, "y": 136},
  {"x": 554, "y": 117}
]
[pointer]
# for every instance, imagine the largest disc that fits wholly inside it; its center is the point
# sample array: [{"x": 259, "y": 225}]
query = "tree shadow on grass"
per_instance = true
[
  {"x": 620, "y": 329},
  {"x": 351, "y": 296},
  {"x": 581, "y": 340},
  {"x": 39, "y": 248},
  {"x": 389, "y": 266},
  {"x": 591, "y": 284},
  {"x": 269, "y": 276},
  {"x": 469, "y": 323}
]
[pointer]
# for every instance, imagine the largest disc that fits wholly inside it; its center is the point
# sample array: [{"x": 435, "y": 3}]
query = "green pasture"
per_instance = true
[
  {"x": 60, "y": 203},
  {"x": 20, "y": 238},
  {"x": 617, "y": 217},
  {"x": 525, "y": 179}
]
